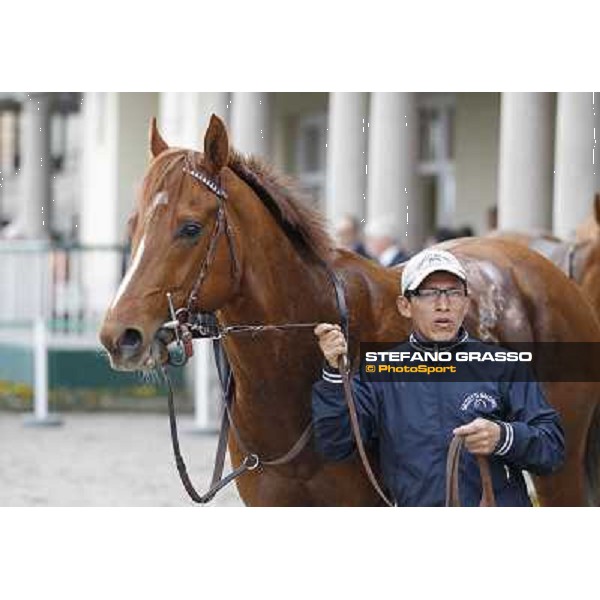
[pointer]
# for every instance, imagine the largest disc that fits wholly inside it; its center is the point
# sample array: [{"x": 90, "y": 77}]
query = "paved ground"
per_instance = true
[{"x": 102, "y": 460}]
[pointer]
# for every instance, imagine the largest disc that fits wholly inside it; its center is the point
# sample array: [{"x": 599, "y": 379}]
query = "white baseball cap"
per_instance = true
[{"x": 425, "y": 263}]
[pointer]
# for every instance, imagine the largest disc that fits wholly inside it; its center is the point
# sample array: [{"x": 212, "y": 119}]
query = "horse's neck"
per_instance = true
[
  {"x": 273, "y": 368},
  {"x": 282, "y": 291},
  {"x": 277, "y": 287}
]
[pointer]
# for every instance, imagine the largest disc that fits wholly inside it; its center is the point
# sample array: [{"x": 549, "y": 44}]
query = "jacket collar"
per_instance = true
[{"x": 419, "y": 343}]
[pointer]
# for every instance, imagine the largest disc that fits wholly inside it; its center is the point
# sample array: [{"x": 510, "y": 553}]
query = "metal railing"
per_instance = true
[
  {"x": 68, "y": 287},
  {"x": 50, "y": 290},
  {"x": 56, "y": 295}
]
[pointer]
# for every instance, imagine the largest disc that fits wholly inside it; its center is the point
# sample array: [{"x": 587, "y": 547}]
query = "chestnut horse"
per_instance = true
[
  {"x": 271, "y": 267},
  {"x": 579, "y": 260}
]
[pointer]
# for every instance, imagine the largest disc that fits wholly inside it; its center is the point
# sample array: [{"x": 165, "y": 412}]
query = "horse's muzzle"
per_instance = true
[{"x": 128, "y": 348}]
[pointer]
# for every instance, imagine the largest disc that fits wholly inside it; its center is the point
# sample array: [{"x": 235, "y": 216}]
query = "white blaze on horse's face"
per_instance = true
[
  {"x": 137, "y": 259},
  {"x": 162, "y": 198}
]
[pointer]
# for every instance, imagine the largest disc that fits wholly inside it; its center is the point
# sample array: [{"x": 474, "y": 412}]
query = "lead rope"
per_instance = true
[
  {"x": 249, "y": 463},
  {"x": 349, "y": 396},
  {"x": 452, "y": 463}
]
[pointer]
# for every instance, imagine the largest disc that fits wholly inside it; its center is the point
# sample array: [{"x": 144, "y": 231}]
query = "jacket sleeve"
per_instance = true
[
  {"x": 532, "y": 436},
  {"x": 334, "y": 439}
]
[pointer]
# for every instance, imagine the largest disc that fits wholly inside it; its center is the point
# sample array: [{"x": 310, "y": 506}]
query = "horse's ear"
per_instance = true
[
  {"x": 597, "y": 208},
  {"x": 216, "y": 146},
  {"x": 157, "y": 144}
]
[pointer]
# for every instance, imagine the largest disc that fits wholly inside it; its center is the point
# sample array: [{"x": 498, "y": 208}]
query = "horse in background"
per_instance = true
[
  {"x": 264, "y": 257},
  {"x": 579, "y": 260}
]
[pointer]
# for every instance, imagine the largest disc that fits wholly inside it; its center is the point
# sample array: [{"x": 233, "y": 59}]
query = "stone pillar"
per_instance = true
[
  {"x": 10, "y": 201},
  {"x": 8, "y": 141},
  {"x": 393, "y": 183},
  {"x": 115, "y": 157},
  {"x": 182, "y": 121},
  {"x": 526, "y": 161},
  {"x": 251, "y": 123},
  {"x": 184, "y": 116},
  {"x": 574, "y": 182},
  {"x": 596, "y": 154},
  {"x": 34, "y": 219},
  {"x": 347, "y": 155}
]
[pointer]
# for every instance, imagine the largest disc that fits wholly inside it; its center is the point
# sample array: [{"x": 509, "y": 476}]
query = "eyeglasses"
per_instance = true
[{"x": 431, "y": 294}]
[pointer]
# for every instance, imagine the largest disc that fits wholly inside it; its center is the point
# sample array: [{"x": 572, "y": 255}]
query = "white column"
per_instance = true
[
  {"x": 182, "y": 121},
  {"x": 251, "y": 123},
  {"x": 393, "y": 183},
  {"x": 206, "y": 387},
  {"x": 526, "y": 161},
  {"x": 183, "y": 116},
  {"x": 35, "y": 211},
  {"x": 596, "y": 153},
  {"x": 347, "y": 155},
  {"x": 8, "y": 141},
  {"x": 574, "y": 183},
  {"x": 115, "y": 157}
]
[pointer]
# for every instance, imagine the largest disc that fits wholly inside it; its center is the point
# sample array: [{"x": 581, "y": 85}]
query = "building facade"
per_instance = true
[
  {"x": 71, "y": 163},
  {"x": 71, "y": 166}
]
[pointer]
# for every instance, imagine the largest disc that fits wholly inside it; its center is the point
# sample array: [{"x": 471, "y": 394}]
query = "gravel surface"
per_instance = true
[{"x": 103, "y": 460}]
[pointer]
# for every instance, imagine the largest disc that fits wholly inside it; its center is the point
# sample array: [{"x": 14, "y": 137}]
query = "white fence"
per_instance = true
[
  {"x": 69, "y": 287},
  {"x": 57, "y": 296}
]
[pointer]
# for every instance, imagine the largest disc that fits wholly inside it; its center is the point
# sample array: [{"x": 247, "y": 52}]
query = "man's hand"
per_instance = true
[
  {"x": 332, "y": 342},
  {"x": 481, "y": 436}
]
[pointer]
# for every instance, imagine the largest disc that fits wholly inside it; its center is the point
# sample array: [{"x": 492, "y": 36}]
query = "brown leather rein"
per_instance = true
[
  {"x": 186, "y": 326},
  {"x": 452, "y": 464}
]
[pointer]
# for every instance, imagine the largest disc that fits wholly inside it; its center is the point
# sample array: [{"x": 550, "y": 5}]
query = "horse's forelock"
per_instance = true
[{"x": 160, "y": 168}]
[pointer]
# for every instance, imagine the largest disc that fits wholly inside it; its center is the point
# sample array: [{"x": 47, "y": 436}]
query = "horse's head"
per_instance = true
[{"x": 180, "y": 244}]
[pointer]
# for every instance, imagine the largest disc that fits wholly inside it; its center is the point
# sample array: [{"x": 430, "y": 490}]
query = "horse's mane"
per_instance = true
[{"x": 304, "y": 226}]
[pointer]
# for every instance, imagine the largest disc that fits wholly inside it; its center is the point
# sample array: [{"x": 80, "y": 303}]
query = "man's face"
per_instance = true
[{"x": 437, "y": 319}]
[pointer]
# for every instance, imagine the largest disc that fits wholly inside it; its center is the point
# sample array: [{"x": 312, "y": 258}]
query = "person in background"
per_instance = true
[
  {"x": 382, "y": 242},
  {"x": 348, "y": 235}
]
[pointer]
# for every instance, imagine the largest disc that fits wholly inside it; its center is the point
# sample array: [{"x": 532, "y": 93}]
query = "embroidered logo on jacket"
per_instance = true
[{"x": 479, "y": 400}]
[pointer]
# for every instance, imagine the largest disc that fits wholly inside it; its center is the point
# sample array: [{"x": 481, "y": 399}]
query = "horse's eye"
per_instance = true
[{"x": 189, "y": 230}]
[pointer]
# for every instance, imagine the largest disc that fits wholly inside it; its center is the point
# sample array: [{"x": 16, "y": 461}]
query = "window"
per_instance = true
[
  {"x": 436, "y": 134},
  {"x": 436, "y": 154},
  {"x": 310, "y": 155}
]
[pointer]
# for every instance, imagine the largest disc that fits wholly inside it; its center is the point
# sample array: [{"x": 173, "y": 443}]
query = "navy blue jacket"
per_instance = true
[{"x": 411, "y": 422}]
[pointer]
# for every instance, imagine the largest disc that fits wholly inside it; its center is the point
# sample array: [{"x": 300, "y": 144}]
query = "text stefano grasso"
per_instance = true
[{"x": 445, "y": 356}]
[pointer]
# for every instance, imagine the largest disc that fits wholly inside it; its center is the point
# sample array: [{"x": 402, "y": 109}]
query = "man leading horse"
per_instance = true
[{"x": 413, "y": 422}]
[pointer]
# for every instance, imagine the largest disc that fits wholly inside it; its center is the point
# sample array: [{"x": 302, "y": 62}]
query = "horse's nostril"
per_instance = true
[{"x": 130, "y": 340}]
